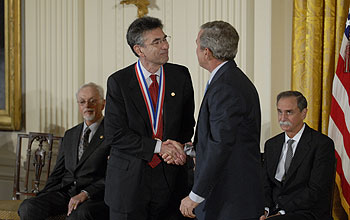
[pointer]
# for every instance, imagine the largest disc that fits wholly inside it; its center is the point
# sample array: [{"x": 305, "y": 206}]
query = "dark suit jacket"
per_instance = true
[
  {"x": 228, "y": 167},
  {"x": 129, "y": 132},
  {"x": 308, "y": 184},
  {"x": 87, "y": 174}
]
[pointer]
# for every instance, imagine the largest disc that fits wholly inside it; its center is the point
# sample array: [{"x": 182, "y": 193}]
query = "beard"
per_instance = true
[
  {"x": 285, "y": 123},
  {"x": 89, "y": 116}
]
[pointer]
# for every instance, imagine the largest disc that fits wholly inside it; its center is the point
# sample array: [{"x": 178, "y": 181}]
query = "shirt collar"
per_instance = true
[
  {"x": 297, "y": 137},
  {"x": 93, "y": 127},
  {"x": 146, "y": 73},
  {"x": 212, "y": 74}
]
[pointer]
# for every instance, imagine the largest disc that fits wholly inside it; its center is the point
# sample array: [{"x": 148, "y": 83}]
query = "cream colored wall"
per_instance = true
[
  {"x": 106, "y": 22},
  {"x": 281, "y": 55},
  {"x": 69, "y": 42}
]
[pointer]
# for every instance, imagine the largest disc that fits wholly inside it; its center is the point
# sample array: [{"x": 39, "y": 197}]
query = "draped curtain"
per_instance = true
[{"x": 318, "y": 28}]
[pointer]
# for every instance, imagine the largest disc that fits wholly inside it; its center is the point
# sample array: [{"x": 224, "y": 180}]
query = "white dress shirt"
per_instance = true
[
  {"x": 92, "y": 127},
  {"x": 280, "y": 168}
]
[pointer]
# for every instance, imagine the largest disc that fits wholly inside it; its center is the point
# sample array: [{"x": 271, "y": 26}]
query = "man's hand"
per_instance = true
[
  {"x": 187, "y": 206},
  {"x": 263, "y": 217},
  {"x": 172, "y": 152},
  {"x": 75, "y": 201}
]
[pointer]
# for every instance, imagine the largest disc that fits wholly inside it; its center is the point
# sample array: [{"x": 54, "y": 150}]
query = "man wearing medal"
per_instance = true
[{"x": 148, "y": 103}]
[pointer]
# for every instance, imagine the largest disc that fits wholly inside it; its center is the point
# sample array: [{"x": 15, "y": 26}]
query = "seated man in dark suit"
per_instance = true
[
  {"x": 298, "y": 165},
  {"x": 76, "y": 185}
]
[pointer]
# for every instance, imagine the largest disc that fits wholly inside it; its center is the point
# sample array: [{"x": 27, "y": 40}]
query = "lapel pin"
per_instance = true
[
  {"x": 172, "y": 94},
  {"x": 101, "y": 137}
]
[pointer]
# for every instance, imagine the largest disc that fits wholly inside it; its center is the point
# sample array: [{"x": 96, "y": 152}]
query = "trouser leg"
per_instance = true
[
  {"x": 43, "y": 206},
  {"x": 291, "y": 216},
  {"x": 90, "y": 210}
]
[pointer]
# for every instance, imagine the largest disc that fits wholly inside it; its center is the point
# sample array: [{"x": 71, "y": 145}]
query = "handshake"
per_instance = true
[{"x": 174, "y": 152}]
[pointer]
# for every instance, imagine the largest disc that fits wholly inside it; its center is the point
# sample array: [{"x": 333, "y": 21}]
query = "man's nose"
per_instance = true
[
  {"x": 165, "y": 45},
  {"x": 89, "y": 104},
  {"x": 283, "y": 116}
]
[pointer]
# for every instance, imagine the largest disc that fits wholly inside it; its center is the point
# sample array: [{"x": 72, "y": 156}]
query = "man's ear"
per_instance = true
[
  {"x": 304, "y": 112},
  {"x": 208, "y": 54},
  {"x": 104, "y": 103},
  {"x": 137, "y": 49}
]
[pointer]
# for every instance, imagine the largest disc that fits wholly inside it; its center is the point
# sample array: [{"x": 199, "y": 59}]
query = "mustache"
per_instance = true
[
  {"x": 286, "y": 123},
  {"x": 88, "y": 109}
]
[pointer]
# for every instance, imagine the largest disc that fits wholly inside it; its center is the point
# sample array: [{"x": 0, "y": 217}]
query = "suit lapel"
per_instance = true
[
  {"x": 229, "y": 65},
  {"x": 276, "y": 154},
  {"x": 301, "y": 151},
  {"x": 95, "y": 142},
  {"x": 75, "y": 143},
  {"x": 137, "y": 98},
  {"x": 195, "y": 139}
]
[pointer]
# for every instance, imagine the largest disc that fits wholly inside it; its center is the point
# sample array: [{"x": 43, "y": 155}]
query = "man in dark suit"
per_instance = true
[
  {"x": 227, "y": 178},
  {"x": 147, "y": 103},
  {"x": 76, "y": 185},
  {"x": 299, "y": 166}
]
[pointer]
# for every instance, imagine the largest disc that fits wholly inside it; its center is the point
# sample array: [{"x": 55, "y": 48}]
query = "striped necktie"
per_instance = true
[
  {"x": 84, "y": 142},
  {"x": 289, "y": 156}
]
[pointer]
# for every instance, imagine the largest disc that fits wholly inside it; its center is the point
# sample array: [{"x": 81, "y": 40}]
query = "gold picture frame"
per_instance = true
[{"x": 10, "y": 112}]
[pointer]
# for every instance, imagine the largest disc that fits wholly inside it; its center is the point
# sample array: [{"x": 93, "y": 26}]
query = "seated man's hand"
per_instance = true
[
  {"x": 263, "y": 217},
  {"x": 172, "y": 152},
  {"x": 75, "y": 201}
]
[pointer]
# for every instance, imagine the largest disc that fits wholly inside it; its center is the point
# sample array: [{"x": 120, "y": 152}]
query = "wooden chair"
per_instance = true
[{"x": 37, "y": 160}]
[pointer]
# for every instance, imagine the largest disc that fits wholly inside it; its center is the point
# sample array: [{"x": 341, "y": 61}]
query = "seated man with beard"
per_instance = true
[{"x": 76, "y": 185}]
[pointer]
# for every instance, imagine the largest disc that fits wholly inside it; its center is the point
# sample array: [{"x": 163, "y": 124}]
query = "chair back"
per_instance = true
[{"x": 38, "y": 157}]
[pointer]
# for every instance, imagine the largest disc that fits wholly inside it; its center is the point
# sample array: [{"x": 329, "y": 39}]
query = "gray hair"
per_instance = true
[
  {"x": 92, "y": 85},
  {"x": 134, "y": 36},
  {"x": 301, "y": 100},
  {"x": 221, "y": 38}
]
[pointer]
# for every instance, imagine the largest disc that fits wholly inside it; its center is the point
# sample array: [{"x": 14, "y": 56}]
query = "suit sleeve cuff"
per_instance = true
[{"x": 196, "y": 198}]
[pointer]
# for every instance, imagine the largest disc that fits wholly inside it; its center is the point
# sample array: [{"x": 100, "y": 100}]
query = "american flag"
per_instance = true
[{"x": 339, "y": 120}]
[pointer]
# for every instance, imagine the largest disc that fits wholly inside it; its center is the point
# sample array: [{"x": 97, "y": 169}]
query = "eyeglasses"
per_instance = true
[
  {"x": 90, "y": 102},
  {"x": 158, "y": 42}
]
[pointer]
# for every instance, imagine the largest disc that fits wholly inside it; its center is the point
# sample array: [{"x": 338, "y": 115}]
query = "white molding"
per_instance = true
[
  {"x": 262, "y": 63},
  {"x": 53, "y": 68}
]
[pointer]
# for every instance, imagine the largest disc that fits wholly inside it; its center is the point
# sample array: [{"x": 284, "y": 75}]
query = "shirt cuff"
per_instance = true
[
  {"x": 196, "y": 198},
  {"x": 267, "y": 209},
  {"x": 158, "y": 146},
  {"x": 87, "y": 193},
  {"x": 282, "y": 212},
  {"x": 189, "y": 150}
]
